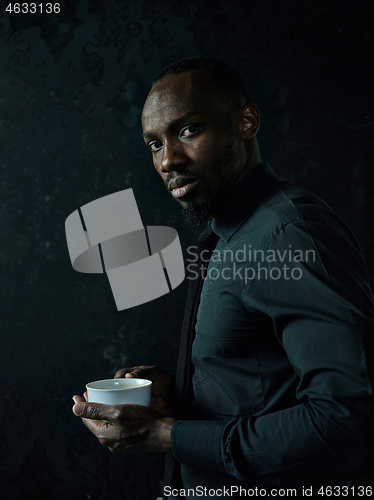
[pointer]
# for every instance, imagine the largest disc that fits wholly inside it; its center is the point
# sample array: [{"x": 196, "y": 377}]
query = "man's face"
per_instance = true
[{"x": 194, "y": 142}]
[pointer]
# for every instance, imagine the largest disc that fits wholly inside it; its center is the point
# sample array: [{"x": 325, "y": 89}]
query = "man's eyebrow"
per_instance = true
[{"x": 174, "y": 123}]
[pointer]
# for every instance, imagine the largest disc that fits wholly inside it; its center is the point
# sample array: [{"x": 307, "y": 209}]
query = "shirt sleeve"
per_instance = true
[{"x": 321, "y": 309}]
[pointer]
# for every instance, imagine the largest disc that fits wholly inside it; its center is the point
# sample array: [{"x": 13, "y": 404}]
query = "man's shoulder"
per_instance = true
[{"x": 286, "y": 205}]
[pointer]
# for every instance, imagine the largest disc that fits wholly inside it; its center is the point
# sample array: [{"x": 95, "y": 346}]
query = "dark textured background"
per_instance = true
[{"x": 71, "y": 93}]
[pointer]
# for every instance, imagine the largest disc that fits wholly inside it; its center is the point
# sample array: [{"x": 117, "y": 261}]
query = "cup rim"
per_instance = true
[{"x": 113, "y": 388}]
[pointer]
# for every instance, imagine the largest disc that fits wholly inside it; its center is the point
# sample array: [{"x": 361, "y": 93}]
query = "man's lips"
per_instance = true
[
  {"x": 180, "y": 186},
  {"x": 182, "y": 191}
]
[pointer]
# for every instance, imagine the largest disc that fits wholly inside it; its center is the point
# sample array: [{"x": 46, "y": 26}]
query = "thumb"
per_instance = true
[{"x": 96, "y": 411}]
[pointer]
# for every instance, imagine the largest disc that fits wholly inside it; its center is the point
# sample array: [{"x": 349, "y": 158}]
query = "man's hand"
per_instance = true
[
  {"x": 162, "y": 384},
  {"x": 125, "y": 427}
]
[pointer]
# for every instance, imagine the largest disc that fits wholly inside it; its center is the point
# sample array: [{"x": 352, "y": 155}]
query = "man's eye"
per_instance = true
[
  {"x": 191, "y": 130},
  {"x": 155, "y": 145}
]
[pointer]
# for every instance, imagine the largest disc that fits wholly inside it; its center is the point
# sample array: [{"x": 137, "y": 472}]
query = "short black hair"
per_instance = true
[{"x": 222, "y": 76}]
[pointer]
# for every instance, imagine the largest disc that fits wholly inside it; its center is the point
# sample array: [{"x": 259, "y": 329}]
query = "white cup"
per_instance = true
[{"x": 119, "y": 391}]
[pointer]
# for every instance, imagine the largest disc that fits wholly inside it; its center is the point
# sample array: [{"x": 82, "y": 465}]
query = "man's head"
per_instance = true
[
  {"x": 201, "y": 127},
  {"x": 223, "y": 79}
]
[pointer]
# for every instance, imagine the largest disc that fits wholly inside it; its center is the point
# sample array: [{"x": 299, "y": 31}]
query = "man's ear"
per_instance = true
[{"x": 250, "y": 121}]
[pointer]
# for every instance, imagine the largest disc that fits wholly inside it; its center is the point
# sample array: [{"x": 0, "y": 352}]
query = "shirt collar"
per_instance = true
[{"x": 242, "y": 200}]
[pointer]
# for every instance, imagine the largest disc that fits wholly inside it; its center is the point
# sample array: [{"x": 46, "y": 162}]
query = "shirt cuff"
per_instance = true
[{"x": 198, "y": 443}]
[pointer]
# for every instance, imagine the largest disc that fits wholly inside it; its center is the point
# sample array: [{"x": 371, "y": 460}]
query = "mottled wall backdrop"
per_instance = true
[{"x": 71, "y": 93}]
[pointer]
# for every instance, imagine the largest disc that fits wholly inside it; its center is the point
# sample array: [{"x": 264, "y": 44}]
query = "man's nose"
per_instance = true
[{"x": 172, "y": 156}]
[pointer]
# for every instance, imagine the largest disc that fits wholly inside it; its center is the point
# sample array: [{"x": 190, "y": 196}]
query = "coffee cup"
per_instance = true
[{"x": 118, "y": 391}]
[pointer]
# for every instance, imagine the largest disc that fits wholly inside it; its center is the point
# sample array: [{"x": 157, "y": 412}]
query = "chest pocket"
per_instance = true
[{"x": 227, "y": 379}]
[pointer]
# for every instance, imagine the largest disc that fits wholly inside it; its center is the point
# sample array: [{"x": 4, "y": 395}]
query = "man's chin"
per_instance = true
[{"x": 196, "y": 214}]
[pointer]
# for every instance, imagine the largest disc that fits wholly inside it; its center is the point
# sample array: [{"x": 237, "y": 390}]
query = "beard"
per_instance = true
[
  {"x": 201, "y": 212},
  {"x": 197, "y": 213}
]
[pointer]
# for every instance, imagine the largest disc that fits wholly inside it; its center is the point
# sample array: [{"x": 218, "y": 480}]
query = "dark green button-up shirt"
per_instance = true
[{"x": 281, "y": 377}]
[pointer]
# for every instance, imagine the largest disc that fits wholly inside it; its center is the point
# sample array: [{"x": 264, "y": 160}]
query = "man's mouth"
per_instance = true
[{"x": 181, "y": 186}]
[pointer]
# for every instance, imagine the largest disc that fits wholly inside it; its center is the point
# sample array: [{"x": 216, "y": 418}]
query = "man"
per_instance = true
[{"x": 282, "y": 381}]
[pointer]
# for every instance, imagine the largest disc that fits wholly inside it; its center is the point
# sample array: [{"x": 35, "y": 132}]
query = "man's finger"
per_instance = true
[
  {"x": 123, "y": 372},
  {"x": 78, "y": 399},
  {"x": 96, "y": 411}
]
